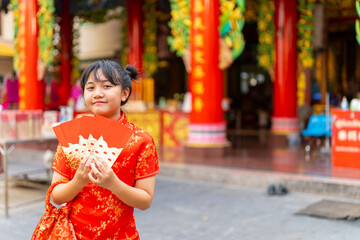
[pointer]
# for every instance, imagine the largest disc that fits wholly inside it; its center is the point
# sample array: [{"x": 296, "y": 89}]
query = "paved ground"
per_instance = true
[{"x": 185, "y": 209}]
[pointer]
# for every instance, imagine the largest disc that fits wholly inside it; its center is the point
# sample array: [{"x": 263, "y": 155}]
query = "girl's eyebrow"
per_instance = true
[{"x": 91, "y": 82}]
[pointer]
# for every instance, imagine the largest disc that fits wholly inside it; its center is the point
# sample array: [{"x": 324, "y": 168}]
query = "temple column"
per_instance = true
[
  {"x": 30, "y": 88},
  {"x": 136, "y": 33},
  {"x": 284, "y": 119},
  {"x": 207, "y": 129},
  {"x": 66, "y": 53}
]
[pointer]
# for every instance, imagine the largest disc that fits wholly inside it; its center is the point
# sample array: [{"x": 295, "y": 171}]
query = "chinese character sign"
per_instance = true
[
  {"x": 345, "y": 139},
  {"x": 205, "y": 79},
  {"x": 198, "y": 61}
]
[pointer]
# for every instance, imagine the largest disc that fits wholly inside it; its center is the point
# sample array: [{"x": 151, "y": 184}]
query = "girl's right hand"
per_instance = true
[{"x": 82, "y": 173}]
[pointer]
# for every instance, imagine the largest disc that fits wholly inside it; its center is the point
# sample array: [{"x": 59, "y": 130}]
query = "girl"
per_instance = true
[{"x": 104, "y": 197}]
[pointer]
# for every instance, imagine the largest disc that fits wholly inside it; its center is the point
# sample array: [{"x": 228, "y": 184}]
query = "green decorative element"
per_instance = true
[
  {"x": 94, "y": 16},
  {"x": 45, "y": 18},
  {"x": 100, "y": 15},
  {"x": 54, "y": 67},
  {"x": 305, "y": 32},
  {"x": 124, "y": 48},
  {"x": 266, "y": 32},
  {"x": 150, "y": 62},
  {"x": 180, "y": 26},
  {"x": 241, "y": 5},
  {"x": 357, "y": 28},
  {"x": 15, "y": 9},
  {"x": 357, "y": 24},
  {"x": 232, "y": 22},
  {"x": 75, "y": 61},
  {"x": 149, "y": 40}
]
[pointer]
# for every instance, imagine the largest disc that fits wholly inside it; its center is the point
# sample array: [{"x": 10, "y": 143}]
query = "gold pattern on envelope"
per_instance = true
[{"x": 91, "y": 145}]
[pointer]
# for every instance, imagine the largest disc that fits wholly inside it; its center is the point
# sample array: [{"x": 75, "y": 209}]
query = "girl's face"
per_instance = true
[{"x": 104, "y": 98}]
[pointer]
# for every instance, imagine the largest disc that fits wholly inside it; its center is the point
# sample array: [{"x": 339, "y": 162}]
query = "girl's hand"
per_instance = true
[
  {"x": 82, "y": 173},
  {"x": 102, "y": 174}
]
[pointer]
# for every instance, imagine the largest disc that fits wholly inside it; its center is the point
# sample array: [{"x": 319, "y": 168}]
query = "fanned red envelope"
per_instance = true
[{"x": 92, "y": 135}]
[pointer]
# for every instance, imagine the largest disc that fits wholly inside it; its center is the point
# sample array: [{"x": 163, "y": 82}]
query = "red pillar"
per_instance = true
[
  {"x": 207, "y": 127},
  {"x": 66, "y": 53},
  {"x": 30, "y": 88},
  {"x": 136, "y": 33},
  {"x": 284, "y": 119}
]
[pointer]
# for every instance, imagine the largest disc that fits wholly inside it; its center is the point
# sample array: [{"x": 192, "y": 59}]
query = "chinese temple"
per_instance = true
[{"x": 244, "y": 64}]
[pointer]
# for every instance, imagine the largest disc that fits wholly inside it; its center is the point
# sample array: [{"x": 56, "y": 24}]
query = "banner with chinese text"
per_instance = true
[{"x": 345, "y": 139}]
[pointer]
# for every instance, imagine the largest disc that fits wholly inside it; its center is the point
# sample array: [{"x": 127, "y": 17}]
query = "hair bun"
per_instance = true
[{"x": 131, "y": 70}]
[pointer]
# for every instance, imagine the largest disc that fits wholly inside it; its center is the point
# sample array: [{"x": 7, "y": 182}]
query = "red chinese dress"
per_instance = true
[{"x": 96, "y": 212}]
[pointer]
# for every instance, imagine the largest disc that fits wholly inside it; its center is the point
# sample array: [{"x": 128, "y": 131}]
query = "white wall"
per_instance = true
[
  {"x": 7, "y": 26},
  {"x": 6, "y": 37},
  {"x": 100, "y": 40}
]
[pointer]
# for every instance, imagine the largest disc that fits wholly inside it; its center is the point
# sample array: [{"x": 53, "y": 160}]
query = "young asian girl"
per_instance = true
[{"x": 103, "y": 197}]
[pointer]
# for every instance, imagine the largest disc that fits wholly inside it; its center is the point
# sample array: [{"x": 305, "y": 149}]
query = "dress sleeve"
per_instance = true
[
  {"x": 147, "y": 163},
  {"x": 60, "y": 163}
]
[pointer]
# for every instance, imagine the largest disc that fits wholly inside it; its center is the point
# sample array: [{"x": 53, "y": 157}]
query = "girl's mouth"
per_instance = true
[{"x": 99, "y": 102}]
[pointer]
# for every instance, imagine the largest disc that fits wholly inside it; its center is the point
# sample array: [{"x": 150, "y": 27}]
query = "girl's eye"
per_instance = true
[
  {"x": 107, "y": 86},
  {"x": 89, "y": 88}
]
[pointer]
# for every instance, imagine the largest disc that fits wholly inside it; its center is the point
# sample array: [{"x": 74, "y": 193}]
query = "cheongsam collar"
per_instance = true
[{"x": 122, "y": 118}]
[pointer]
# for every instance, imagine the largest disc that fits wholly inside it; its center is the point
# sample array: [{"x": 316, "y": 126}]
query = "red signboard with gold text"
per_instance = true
[{"x": 345, "y": 139}]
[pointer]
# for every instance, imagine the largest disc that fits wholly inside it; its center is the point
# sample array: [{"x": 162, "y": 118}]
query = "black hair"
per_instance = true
[{"x": 113, "y": 72}]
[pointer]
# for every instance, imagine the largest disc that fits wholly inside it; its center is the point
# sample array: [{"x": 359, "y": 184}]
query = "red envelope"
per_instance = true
[{"x": 97, "y": 135}]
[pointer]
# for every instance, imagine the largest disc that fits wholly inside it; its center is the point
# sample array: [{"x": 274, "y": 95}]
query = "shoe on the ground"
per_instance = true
[
  {"x": 271, "y": 189},
  {"x": 282, "y": 190}
]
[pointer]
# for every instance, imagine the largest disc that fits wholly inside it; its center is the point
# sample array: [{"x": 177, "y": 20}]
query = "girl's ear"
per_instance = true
[{"x": 125, "y": 94}]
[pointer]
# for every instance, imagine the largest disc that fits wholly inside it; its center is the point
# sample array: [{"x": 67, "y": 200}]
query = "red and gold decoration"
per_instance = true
[
  {"x": 149, "y": 122},
  {"x": 169, "y": 129},
  {"x": 33, "y": 48},
  {"x": 174, "y": 129},
  {"x": 31, "y": 95},
  {"x": 19, "y": 60},
  {"x": 148, "y": 93},
  {"x": 207, "y": 127},
  {"x": 45, "y": 21},
  {"x": 266, "y": 31},
  {"x": 198, "y": 72},
  {"x": 232, "y": 21}
]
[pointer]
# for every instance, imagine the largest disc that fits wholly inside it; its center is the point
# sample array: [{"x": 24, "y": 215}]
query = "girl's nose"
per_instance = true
[{"x": 98, "y": 93}]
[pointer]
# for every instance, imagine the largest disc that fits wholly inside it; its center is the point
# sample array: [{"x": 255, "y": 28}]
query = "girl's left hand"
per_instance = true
[{"x": 101, "y": 173}]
